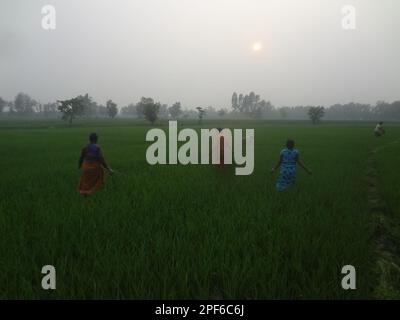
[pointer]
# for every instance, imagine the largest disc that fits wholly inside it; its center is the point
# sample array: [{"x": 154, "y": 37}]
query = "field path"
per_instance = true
[{"x": 387, "y": 246}]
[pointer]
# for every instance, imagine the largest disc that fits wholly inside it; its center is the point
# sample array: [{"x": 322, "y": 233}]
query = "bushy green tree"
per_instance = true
[
  {"x": 235, "y": 102},
  {"x": 201, "y": 113},
  {"x": 3, "y": 103},
  {"x": 251, "y": 105},
  {"x": 24, "y": 104},
  {"x": 175, "y": 110},
  {"x": 112, "y": 109},
  {"x": 149, "y": 109},
  {"x": 71, "y": 108},
  {"x": 316, "y": 114}
]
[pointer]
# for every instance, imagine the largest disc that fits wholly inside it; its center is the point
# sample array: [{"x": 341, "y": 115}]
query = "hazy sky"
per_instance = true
[{"x": 200, "y": 51}]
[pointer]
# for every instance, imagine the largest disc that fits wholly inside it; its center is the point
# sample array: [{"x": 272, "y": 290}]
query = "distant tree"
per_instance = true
[
  {"x": 71, "y": 108},
  {"x": 350, "y": 111},
  {"x": 175, "y": 110},
  {"x": 201, "y": 113},
  {"x": 240, "y": 101},
  {"x": 211, "y": 112},
  {"x": 191, "y": 114},
  {"x": 140, "y": 106},
  {"x": 3, "y": 104},
  {"x": 163, "y": 112},
  {"x": 283, "y": 112},
  {"x": 112, "y": 109},
  {"x": 90, "y": 107},
  {"x": 222, "y": 112},
  {"x": 24, "y": 104},
  {"x": 38, "y": 108},
  {"x": 49, "y": 108},
  {"x": 384, "y": 110},
  {"x": 244, "y": 104},
  {"x": 102, "y": 111},
  {"x": 129, "y": 110},
  {"x": 149, "y": 109},
  {"x": 186, "y": 114},
  {"x": 259, "y": 108},
  {"x": 10, "y": 105},
  {"x": 395, "y": 108},
  {"x": 251, "y": 105},
  {"x": 235, "y": 102},
  {"x": 316, "y": 114},
  {"x": 151, "y": 112}
]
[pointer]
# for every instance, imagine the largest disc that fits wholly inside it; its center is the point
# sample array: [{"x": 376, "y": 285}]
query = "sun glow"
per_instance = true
[{"x": 257, "y": 46}]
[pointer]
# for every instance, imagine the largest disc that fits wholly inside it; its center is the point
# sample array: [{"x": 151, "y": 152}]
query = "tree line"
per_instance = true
[
  {"x": 250, "y": 106},
  {"x": 83, "y": 105}
]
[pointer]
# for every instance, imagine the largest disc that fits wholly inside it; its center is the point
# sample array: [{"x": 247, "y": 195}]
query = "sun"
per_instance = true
[{"x": 257, "y": 46}]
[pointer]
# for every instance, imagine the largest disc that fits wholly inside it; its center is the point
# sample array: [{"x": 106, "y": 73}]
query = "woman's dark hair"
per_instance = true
[
  {"x": 290, "y": 143},
  {"x": 93, "y": 137}
]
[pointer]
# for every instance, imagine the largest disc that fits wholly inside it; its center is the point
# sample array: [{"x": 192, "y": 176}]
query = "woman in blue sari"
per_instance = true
[{"x": 288, "y": 160}]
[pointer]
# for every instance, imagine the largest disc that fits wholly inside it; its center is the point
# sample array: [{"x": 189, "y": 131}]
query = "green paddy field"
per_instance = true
[{"x": 197, "y": 232}]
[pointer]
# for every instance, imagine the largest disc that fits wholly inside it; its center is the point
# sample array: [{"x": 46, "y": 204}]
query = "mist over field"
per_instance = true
[{"x": 199, "y": 52}]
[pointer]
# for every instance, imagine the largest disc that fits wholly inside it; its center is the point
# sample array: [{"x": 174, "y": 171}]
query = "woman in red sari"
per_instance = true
[{"x": 92, "y": 161}]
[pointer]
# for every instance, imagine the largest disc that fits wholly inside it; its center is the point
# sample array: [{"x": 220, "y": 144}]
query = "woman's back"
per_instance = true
[
  {"x": 289, "y": 157},
  {"x": 91, "y": 152}
]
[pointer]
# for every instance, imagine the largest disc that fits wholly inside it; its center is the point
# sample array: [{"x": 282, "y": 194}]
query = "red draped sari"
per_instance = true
[{"x": 92, "y": 177}]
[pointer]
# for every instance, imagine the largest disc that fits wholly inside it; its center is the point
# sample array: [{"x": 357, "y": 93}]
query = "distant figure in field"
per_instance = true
[
  {"x": 92, "y": 161},
  {"x": 379, "y": 131},
  {"x": 288, "y": 159},
  {"x": 221, "y": 146}
]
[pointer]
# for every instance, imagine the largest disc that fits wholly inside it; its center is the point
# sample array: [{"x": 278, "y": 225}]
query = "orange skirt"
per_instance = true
[{"x": 92, "y": 178}]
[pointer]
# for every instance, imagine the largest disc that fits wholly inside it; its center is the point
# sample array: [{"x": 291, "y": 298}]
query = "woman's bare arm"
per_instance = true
[
  {"x": 278, "y": 164},
  {"x": 104, "y": 163},
  {"x": 301, "y": 164},
  {"x": 81, "y": 159}
]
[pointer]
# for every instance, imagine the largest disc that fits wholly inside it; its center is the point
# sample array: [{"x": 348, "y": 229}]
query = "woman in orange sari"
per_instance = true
[{"x": 92, "y": 162}]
